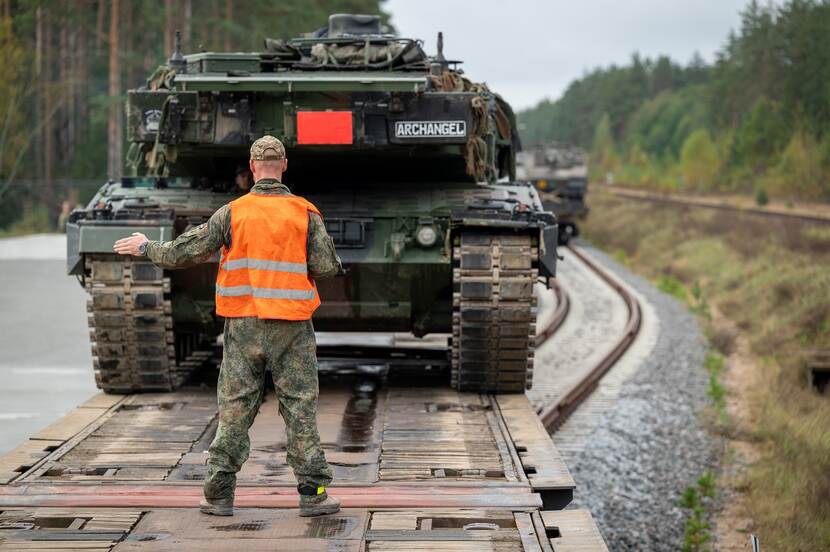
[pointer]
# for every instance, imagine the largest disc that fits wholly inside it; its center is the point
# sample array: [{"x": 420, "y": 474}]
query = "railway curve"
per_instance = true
[{"x": 582, "y": 360}]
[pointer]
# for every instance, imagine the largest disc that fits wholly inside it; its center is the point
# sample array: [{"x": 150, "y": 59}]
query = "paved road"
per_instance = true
[{"x": 45, "y": 359}]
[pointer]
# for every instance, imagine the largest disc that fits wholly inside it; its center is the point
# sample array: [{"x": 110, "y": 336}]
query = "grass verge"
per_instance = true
[
  {"x": 771, "y": 279},
  {"x": 698, "y": 499}
]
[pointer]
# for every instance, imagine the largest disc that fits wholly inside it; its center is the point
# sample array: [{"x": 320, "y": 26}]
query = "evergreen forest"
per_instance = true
[
  {"x": 67, "y": 67},
  {"x": 756, "y": 120}
]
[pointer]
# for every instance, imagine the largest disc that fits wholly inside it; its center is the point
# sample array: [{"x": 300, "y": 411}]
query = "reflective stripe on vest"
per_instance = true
[
  {"x": 264, "y": 274},
  {"x": 262, "y": 264},
  {"x": 238, "y": 291}
]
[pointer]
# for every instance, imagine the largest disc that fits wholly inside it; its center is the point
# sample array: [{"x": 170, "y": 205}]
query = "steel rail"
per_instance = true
[
  {"x": 555, "y": 414},
  {"x": 689, "y": 202},
  {"x": 563, "y": 306}
]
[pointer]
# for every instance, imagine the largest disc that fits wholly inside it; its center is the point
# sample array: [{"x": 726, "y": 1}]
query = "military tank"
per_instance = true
[
  {"x": 411, "y": 163},
  {"x": 560, "y": 173}
]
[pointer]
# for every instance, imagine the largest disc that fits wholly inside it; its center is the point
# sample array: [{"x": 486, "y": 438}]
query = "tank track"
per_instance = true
[
  {"x": 134, "y": 347},
  {"x": 494, "y": 311}
]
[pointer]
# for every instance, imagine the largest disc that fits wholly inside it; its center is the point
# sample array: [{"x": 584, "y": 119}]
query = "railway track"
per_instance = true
[
  {"x": 639, "y": 195},
  {"x": 563, "y": 306},
  {"x": 567, "y": 389}
]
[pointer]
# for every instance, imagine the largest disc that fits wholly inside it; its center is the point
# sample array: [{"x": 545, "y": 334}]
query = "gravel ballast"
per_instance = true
[{"x": 652, "y": 443}]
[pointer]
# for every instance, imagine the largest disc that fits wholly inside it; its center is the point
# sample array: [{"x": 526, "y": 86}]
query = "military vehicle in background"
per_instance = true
[
  {"x": 560, "y": 173},
  {"x": 411, "y": 163}
]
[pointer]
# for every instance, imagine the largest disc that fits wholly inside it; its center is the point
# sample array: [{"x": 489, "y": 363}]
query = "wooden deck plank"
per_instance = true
[
  {"x": 64, "y": 528},
  {"x": 445, "y": 529},
  {"x": 410, "y": 519},
  {"x": 544, "y": 467},
  {"x": 103, "y": 400},
  {"x": 455, "y": 534},
  {"x": 19, "y": 459},
  {"x": 185, "y": 496},
  {"x": 71, "y": 424},
  {"x": 186, "y": 524},
  {"x": 62, "y": 546},
  {"x": 249, "y": 530},
  {"x": 142, "y": 438},
  {"x": 577, "y": 531},
  {"x": 527, "y": 532},
  {"x": 447, "y": 546},
  {"x": 250, "y": 545},
  {"x": 444, "y": 435},
  {"x": 33, "y": 450}
]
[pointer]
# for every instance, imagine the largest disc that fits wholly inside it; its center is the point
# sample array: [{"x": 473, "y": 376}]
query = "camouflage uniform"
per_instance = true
[{"x": 286, "y": 349}]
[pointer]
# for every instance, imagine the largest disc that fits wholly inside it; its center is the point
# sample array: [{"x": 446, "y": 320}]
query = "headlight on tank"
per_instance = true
[
  {"x": 542, "y": 184},
  {"x": 426, "y": 236}
]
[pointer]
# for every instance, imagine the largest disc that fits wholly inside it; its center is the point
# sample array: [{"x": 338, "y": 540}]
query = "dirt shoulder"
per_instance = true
[{"x": 733, "y": 523}]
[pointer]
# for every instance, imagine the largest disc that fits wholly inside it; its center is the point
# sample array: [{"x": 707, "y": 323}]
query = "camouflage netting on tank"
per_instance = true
[
  {"x": 353, "y": 55},
  {"x": 475, "y": 151},
  {"x": 155, "y": 159},
  {"x": 161, "y": 79}
]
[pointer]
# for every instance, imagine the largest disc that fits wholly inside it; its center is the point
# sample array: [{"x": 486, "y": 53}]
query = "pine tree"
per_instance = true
[{"x": 114, "y": 137}]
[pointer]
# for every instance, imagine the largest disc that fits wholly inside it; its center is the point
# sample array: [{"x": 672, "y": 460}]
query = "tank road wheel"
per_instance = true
[
  {"x": 131, "y": 327},
  {"x": 494, "y": 311}
]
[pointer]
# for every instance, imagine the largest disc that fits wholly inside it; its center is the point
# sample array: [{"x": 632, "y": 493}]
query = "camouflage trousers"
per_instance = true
[{"x": 253, "y": 348}]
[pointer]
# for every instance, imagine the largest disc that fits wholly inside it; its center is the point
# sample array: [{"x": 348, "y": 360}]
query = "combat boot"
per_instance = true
[
  {"x": 217, "y": 506},
  {"x": 319, "y": 505}
]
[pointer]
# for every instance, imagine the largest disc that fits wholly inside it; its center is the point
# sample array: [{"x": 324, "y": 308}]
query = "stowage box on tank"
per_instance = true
[{"x": 411, "y": 164}]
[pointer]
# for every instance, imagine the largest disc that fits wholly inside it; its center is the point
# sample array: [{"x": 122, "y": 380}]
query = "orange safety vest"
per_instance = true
[{"x": 264, "y": 274}]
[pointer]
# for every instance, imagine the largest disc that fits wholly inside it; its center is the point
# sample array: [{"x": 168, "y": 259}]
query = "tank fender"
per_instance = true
[
  {"x": 74, "y": 261},
  {"x": 548, "y": 239}
]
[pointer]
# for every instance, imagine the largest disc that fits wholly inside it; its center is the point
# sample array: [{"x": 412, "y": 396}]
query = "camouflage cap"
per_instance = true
[{"x": 267, "y": 147}]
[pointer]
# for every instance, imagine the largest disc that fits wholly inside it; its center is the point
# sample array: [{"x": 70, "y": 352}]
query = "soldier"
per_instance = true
[
  {"x": 274, "y": 245},
  {"x": 242, "y": 179},
  {"x": 63, "y": 217}
]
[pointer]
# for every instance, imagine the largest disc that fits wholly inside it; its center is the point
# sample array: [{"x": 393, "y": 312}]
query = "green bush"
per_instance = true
[
  {"x": 33, "y": 220},
  {"x": 604, "y": 151},
  {"x": 761, "y": 134},
  {"x": 800, "y": 172},
  {"x": 672, "y": 286},
  {"x": 698, "y": 500},
  {"x": 700, "y": 161},
  {"x": 761, "y": 197}
]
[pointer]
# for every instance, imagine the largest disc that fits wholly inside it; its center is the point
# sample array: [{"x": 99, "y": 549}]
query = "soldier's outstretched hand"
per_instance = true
[{"x": 131, "y": 245}]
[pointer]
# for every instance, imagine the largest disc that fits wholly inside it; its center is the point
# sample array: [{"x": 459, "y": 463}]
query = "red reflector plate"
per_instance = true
[{"x": 324, "y": 127}]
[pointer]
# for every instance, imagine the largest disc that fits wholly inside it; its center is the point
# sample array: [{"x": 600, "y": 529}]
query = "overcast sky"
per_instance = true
[{"x": 531, "y": 49}]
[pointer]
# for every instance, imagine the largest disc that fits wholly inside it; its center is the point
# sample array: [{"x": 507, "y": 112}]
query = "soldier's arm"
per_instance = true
[
  {"x": 196, "y": 245},
  {"x": 323, "y": 261}
]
